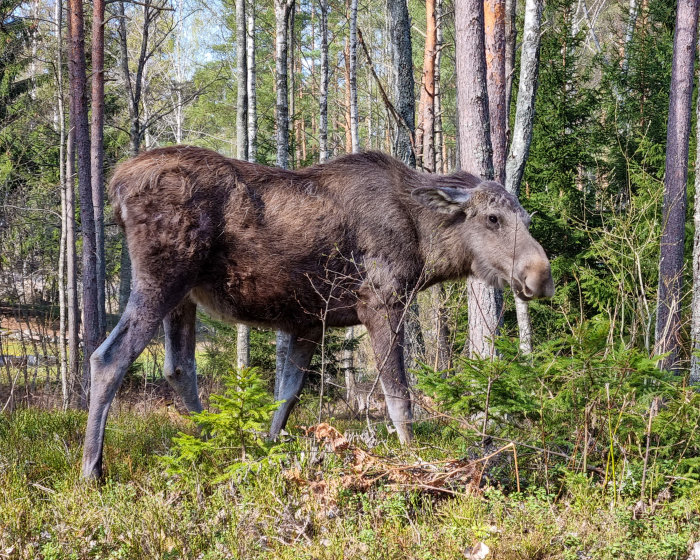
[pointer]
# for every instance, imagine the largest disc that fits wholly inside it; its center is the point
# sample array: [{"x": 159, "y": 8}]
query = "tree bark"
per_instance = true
[
  {"x": 79, "y": 122},
  {"x": 62, "y": 254},
  {"x": 283, "y": 9},
  {"x": 323, "y": 99},
  {"x": 354, "y": 122},
  {"x": 694, "y": 378},
  {"x": 511, "y": 35},
  {"x": 251, "y": 84},
  {"x": 242, "y": 127},
  {"x": 425, "y": 144},
  {"x": 527, "y": 89},
  {"x": 495, "y": 44},
  {"x": 522, "y": 133},
  {"x": 668, "y": 319},
  {"x": 242, "y": 76},
  {"x": 475, "y": 154},
  {"x": 440, "y": 156},
  {"x": 97, "y": 159},
  {"x": 400, "y": 38}
]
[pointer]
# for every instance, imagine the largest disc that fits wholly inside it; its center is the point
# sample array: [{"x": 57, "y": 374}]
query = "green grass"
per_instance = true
[{"x": 140, "y": 511}]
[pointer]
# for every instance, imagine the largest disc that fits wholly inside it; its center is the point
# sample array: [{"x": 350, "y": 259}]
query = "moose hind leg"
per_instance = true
[
  {"x": 180, "y": 368},
  {"x": 301, "y": 350},
  {"x": 108, "y": 365}
]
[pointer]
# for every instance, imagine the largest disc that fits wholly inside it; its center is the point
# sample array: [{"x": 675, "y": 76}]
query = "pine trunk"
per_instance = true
[
  {"x": 475, "y": 154},
  {"x": 79, "y": 122},
  {"x": 97, "y": 158},
  {"x": 668, "y": 319},
  {"x": 400, "y": 38}
]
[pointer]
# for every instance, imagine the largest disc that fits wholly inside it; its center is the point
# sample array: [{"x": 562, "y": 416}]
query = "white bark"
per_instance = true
[
  {"x": 354, "y": 123},
  {"x": 242, "y": 77},
  {"x": 527, "y": 89},
  {"x": 323, "y": 102},
  {"x": 522, "y": 133},
  {"x": 251, "y": 84},
  {"x": 62, "y": 349}
]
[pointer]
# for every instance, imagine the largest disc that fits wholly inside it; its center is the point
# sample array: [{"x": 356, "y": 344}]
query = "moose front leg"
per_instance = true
[
  {"x": 180, "y": 368},
  {"x": 385, "y": 327}
]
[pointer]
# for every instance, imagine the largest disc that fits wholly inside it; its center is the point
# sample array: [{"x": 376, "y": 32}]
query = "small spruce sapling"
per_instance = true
[{"x": 232, "y": 441}]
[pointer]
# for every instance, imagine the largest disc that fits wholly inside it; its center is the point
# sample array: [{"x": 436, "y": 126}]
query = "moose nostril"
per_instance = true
[{"x": 178, "y": 371}]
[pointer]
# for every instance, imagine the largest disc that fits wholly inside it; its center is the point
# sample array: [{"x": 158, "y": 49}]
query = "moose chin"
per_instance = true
[{"x": 343, "y": 243}]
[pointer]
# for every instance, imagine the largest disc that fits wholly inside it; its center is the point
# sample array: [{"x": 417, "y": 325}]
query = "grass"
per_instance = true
[{"x": 140, "y": 511}]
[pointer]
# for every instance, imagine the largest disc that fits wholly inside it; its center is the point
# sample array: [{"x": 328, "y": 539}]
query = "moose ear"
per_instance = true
[{"x": 442, "y": 199}]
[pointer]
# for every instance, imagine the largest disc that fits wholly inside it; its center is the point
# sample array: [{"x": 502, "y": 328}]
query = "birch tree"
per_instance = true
[
  {"x": 283, "y": 9},
  {"x": 522, "y": 133},
  {"x": 668, "y": 318},
  {"x": 242, "y": 124},
  {"x": 323, "y": 89}
]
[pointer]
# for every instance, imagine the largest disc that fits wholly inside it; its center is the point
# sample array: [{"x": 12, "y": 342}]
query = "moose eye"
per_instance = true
[{"x": 493, "y": 219}]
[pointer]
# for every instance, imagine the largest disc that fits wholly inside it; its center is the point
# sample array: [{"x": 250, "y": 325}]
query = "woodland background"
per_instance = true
[{"x": 581, "y": 412}]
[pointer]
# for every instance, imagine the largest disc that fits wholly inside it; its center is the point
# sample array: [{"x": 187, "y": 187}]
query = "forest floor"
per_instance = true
[{"x": 366, "y": 499}]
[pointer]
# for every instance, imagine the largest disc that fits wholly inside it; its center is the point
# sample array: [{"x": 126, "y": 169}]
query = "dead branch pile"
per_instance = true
[{"x": 364, "y": 470}]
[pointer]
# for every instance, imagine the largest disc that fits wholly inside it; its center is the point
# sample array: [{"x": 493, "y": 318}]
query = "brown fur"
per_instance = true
[
  {"x": 271, "y": 245},
  {"x": 347, "y": 242}
]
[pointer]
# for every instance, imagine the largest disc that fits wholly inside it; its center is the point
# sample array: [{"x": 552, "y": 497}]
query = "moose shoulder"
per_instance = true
[{"x": 338, "y": 244}]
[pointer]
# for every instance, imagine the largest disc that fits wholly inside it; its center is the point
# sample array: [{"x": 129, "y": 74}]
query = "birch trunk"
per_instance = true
[
  {"x": 323, "y": 100},
  {"x": 251, "y": 84},
  {"x": 668, "y": 319},
  {"x": 522, "y": 133},
  {"x": 440, "y": 156},
  {"x": 283, "y": 10},
  {"x": 62, "y": 295},
  {"x": 354, "y": 123}
]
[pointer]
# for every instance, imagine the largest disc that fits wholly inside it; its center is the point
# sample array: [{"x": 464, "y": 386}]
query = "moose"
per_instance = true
[{"x": 337, "y": 244}]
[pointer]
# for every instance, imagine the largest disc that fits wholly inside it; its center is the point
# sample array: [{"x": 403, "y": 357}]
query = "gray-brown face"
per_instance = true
[{"x": 493, "y": 227}]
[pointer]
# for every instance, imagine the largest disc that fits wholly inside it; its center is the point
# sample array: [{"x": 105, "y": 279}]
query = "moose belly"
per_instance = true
[{"x": 291, "y": 311}]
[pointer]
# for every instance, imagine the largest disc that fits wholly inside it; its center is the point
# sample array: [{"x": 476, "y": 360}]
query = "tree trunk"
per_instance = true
[
  {"x": 97, "y": 159},
  {"x": 495, "y": 44},
  {"x": 527, "y": 89},
  {"x": 283, "y": 10},
  {"x": 79, "y": 122},
  {"x": 694, "y": 378},
  {"x": 62, "y": 254},
  {"x": 242, "y": 76},
  {"x": 475, "y": 154},
  {"x": 425, "y": 144},
  {"x": 668, "y": 319},
  {"x": 323, "y": 101},
  {"x": 354, "y": 122},
  {"x": 440, "y": 156},
  {"x": 400, "y": 38},
  {"x": 242, "y": 124},
  {"x": 72, "y": 271},
  {"x": 522, "y": 133},
  {"x": 511, "y": 35},
  {"x": 250, "y": 83}
]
